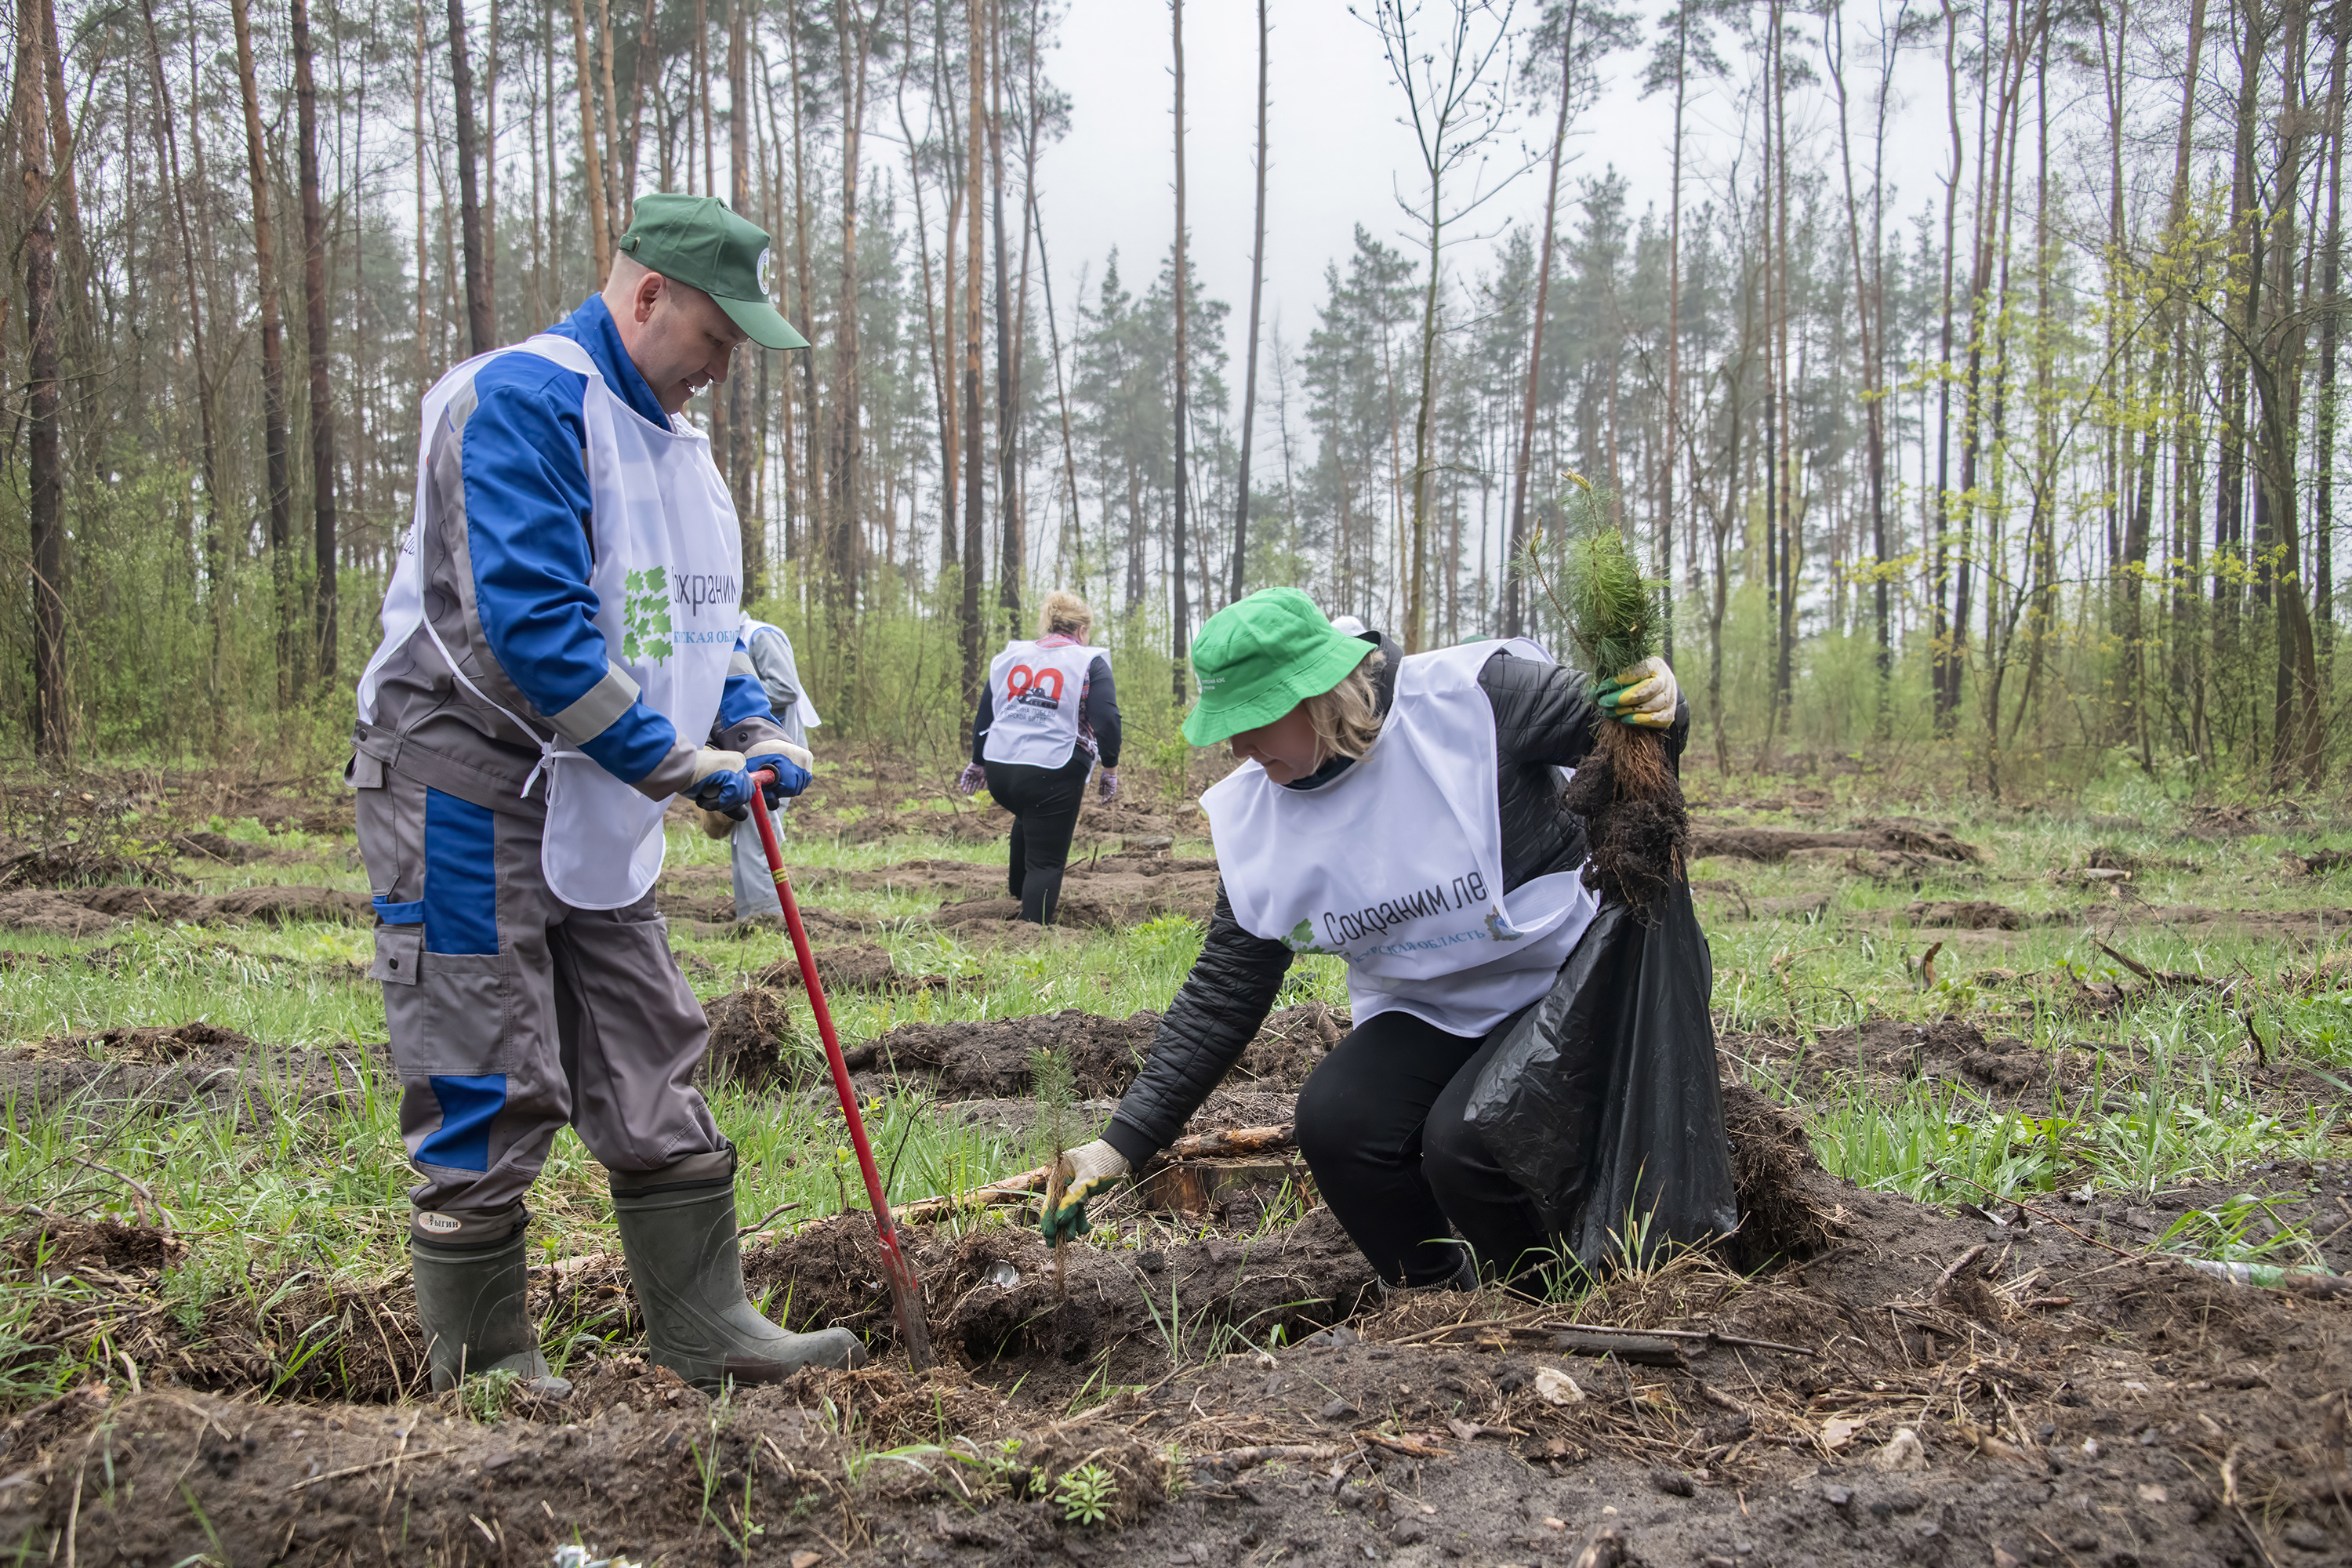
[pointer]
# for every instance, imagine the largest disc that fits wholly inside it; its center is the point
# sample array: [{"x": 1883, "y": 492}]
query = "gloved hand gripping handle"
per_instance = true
[{"x": 906, "y": 1290}]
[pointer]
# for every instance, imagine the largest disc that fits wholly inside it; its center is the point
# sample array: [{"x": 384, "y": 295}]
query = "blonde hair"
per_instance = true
[
  {"x": 1064, "y": 615},
  {"x": 1347, "y": 719}
]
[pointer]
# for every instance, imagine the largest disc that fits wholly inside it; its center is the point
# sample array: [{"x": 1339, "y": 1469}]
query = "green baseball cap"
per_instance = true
[
  {"x": 1259, "y": 658},
  {"x": 697, "y": 241}
]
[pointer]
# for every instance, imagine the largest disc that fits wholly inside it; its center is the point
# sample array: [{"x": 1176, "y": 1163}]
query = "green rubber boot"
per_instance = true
[
  {"x": 677, "y": 1229},
  {"x": 470, "y": 1302}
]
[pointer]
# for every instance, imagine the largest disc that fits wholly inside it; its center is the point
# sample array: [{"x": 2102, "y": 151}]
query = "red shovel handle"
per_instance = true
[{"x": 906, "y": 1290}]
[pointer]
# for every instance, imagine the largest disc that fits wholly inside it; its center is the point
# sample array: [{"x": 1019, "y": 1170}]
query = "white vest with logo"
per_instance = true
[
  {"x": 1036, "y": 690},
  {"x": 667, "y": 578},
  {"x": 1397, "y": 865}
]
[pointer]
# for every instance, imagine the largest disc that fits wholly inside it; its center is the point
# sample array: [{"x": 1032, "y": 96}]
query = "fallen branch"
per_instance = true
[
  {"x": 1944, "y": 1280},
  {"x": 1006, "y": 1191},
  {"x": 1404, "y": 1446},
  {"x": 1231, "y": 1140}
]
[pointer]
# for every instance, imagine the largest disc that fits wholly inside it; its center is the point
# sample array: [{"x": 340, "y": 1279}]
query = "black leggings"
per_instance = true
[
  {"x": 1045, "y": 804},
  {"x": 1380, "y": 1122}
]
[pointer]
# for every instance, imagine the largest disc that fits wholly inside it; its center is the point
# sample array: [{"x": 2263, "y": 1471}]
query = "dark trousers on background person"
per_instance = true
[
  {"x": 1381, "y": 1123},
  {"x": 1045, "y": 804}
]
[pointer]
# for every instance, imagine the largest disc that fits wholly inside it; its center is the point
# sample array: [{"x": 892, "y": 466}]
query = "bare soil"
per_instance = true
[
  {"x": 1106, "y": 891},
  {"x": 89, "y": 912},
  {"x": 1774, "y": 844},
  {"x": 991, "y": 1060},
  {"x": 2072, "y": 1399},
  {"x": 121, "y": 1072}
]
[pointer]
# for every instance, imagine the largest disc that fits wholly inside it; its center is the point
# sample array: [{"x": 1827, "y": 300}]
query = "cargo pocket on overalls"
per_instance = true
[{"x": 458, "y": 1016}]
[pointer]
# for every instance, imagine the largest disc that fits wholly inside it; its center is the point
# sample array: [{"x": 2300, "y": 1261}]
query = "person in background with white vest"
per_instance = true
[
  {"x": 557, "y": 664},
  {"x": 770, "y": 661},
  {"x": 1400, "y": 811},
  {"x": 1049, "y": 711}
]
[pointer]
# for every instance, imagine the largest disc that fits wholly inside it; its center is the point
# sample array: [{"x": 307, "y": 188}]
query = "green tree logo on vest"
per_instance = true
[
  {"x": 1302, "y": 939},
  {"x": 645, "y": 616}
]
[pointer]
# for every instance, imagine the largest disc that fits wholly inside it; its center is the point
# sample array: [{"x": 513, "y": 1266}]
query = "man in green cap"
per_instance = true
[
  {"x": 563, "y": 655},
  {"x": 1404, "y": 814}
]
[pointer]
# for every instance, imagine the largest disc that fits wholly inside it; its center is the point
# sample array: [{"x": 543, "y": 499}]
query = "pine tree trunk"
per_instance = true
[
  {"x": 45, "y": 466},
  {"x": 1514, "y": 596},
  {"x": 1180, "y": 643},
  {"x": 1943, "y": 655},
  {"x": 481, "y": 326},
  {"x": 846, "y": 554},
  {"x": 273, "y": 362},
  {"x": 314, "y": 310},
  {"x": 748, "y": 522},
  {"x": 1257, "y": 291},
  {"x": 975, "y": 549},
  {"x": 2325, "y": 422},
  {"x": 1008, "y": 387},
  {"x": 601, "y": 235},
  {"x": 216, "y": 546},
  {"x": 813, "y": 469}
]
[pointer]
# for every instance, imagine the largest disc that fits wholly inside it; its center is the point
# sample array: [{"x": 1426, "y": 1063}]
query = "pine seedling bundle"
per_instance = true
[{"x": 1636, "y": 825}]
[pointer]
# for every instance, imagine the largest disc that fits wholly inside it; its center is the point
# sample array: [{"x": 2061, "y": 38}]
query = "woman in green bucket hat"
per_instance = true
[{"x": 1403, "y": 812}]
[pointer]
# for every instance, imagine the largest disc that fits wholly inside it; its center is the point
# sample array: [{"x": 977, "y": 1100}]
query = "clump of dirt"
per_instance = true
[
  {"x": 1116, "y": 1308},
  {"x": 154, "y": 1046},
  {"x": 1105, "y": 893},
  {"x": 1290, "y": 1043},
  {"x": 1075, "y": 912},
  {"x": 121, "y": 1072},
  {"x": 2319, "y": 863},
  {"x": 990, "y": 1059},
  {"x": 1636, "y": 833},
  {"x": 2219, "y": 822},
  {"x": 1890, "y": 1051},
  {"x": 220, "y": 848},
  {"x": 859, "y": 966},
  {"x": 57, "y": 1247},
  {"x": 1781, "y": 1216},
  {"x": 1966, "y": 914},
  {"x": 84, "y": 912},
  {"x": 1774, "y": 844},
  {"x": 756, "y": 1042},
  {"x": 68, "y": 838}
]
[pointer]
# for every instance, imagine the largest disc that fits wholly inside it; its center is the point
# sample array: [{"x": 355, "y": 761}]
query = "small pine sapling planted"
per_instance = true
[
  {"x": 1050, "y": 1086},
  {"x": 1636, "y": 825}
]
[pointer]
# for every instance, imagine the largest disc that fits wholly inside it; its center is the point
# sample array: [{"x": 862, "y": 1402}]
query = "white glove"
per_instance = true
[
  {"x": 790, "y": 753},
  {"x": 1646, "y": 695}
]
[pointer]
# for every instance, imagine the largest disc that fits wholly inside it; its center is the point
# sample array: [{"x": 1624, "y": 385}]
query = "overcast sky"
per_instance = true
[{"x": 1339, "y": 155}]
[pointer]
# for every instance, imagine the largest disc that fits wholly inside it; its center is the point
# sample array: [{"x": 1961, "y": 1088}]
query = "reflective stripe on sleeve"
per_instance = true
[{"x": 599, "y": 711}]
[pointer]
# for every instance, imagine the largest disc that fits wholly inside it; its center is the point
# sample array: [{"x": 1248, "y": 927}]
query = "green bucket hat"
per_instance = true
[
  {"x": 696, "y": 240},
  {"x": 1261, "y": 656}
]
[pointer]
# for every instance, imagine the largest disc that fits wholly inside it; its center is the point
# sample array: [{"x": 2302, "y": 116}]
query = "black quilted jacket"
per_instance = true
[{"x": 1543, "y": 720}]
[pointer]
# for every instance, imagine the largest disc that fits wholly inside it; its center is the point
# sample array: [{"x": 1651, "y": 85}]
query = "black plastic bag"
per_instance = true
[{"x": 1601, "y": 1100}]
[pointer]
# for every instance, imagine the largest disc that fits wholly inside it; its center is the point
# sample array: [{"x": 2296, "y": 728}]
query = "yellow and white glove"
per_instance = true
[
  {"x": 1087, "y": 1169},
  {"x": 1645, "y": 695},
  {"x": 716, "y": 825}
]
